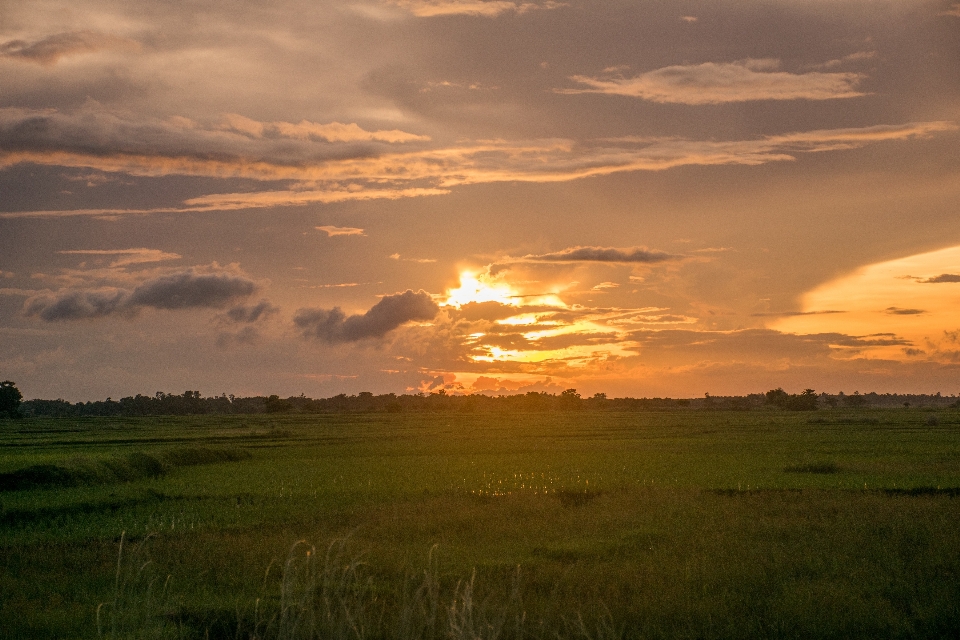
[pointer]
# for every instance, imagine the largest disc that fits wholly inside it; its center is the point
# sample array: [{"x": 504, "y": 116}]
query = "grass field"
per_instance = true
[{"x": 683, "y": 524}]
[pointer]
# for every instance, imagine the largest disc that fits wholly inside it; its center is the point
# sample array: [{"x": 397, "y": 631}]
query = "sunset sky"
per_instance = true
[{"x": 644, "y": 198}]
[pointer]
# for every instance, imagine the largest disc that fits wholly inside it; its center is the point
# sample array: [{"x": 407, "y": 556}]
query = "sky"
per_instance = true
[{"x": 641, "y": 198}]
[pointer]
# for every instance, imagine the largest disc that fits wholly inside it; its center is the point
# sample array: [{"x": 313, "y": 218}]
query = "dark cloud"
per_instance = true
[
  {"x": 332, "y": 325},
  {"x": 872, "y": 340},
  {"x": 76, "y": 304},
  {"x": 190, "y": 289},
  {"x": 897, "y": 311},
  {"x": 184, "y": 290},
  {"x": 248, "y": 314},
  {"x": 943, "y": 277},
  {"x": 603, "y": 254},
  {"x": 50, "y": 49},
  {"x": 224, "y": 146}
]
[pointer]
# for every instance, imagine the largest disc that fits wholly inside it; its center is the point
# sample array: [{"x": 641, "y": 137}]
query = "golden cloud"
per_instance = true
[{"x": 716, "y": 83}]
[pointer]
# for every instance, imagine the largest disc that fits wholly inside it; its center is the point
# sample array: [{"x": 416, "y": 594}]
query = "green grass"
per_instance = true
[{"x": 684, "y": 524}]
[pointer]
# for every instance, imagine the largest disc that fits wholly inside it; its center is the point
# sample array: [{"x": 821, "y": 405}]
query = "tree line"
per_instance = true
[{"x": 193, "y": 403}]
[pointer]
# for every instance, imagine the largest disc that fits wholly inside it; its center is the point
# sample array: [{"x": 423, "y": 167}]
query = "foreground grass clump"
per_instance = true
[
  {"x": 127, "y": 468},
  {"x": 652, "y": 525}
]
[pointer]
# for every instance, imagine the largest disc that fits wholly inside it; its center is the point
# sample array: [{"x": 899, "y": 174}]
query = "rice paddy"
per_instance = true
[{"x": 660, "y": 524}]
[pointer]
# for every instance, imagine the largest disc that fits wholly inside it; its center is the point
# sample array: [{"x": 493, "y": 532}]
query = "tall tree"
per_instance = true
[{"x": 10, "y": 398}]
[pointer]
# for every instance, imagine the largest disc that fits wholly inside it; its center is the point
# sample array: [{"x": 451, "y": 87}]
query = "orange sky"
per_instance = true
[{"x": 479, "y": 195}]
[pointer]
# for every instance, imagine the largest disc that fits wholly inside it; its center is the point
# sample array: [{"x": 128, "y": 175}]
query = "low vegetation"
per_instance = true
[{"x": 770, "y": 523}]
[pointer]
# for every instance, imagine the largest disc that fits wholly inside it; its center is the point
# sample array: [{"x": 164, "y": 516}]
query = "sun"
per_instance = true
[{"x": 477, "y": 288}]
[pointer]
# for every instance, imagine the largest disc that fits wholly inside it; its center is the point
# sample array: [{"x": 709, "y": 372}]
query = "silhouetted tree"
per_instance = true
[
  {"x": 777, "y": 397},
  {"x": 856, "y": 400},
  {"x": 806, "y": 401},
  {"x": 570, "y": 399},
  {"x": 10, "y": 398},
  {"x": 275, "y": 405}
]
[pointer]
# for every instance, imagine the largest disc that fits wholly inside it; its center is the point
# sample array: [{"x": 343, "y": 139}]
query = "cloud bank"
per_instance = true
[
  {"x": 333, "y": 326},
  {"x": 320, "y": 171},
  {"x": 182, "y": 290}
]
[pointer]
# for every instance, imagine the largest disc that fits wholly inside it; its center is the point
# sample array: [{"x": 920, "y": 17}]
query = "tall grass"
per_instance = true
[
  {"x": 332, "y": 594},
  {"x": 141, "y": 600}
]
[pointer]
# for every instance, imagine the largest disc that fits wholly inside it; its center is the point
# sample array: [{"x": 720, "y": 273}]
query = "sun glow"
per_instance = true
[
  {"x": 520, "y": 320},
  {"x": 573, "y": 357},
  {"x": 474, "y": 288},
  {"x": 539, "y": 329}
]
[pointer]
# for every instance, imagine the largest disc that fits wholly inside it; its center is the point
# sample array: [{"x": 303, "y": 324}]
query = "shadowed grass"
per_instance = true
[{"x": 813, "y": 467}]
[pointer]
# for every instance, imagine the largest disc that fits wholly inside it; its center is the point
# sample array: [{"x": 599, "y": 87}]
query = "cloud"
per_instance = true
[
  {"x": 321, "y": 172},
  {"x": 240, "y": 324},
  {"x": 191, "y": 289},
  {"x": 787, "y": 314},
  {"x": 127, "y": 256},
  {"x": 76, "y": 305},
  {"x": 260, "y": 199},
  {"x": 897, "y": 311},
  {"x": 943, "y": 277},
  {"x": 49, "y": 50},
  {"x": 858, "y": 56},
  {"x": 952, "y": 11},
  {"x": 484, "y": 8},
  {"x": 96, "y": 138},
  {"x": 306, "y": 130},
  {"x": 334, "y": 286},
  {"x": 716, "y": 83},
  {"x": 340, "y": 231},
  {"x": 181, "y": 290},
  {"x": 333, "y": 326},
  {"x": 249, "y": 314},
  {"x": 396, "y": 256},
  {"x": 603, "y": 254},
  {"x": 489, "y": 311}
]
